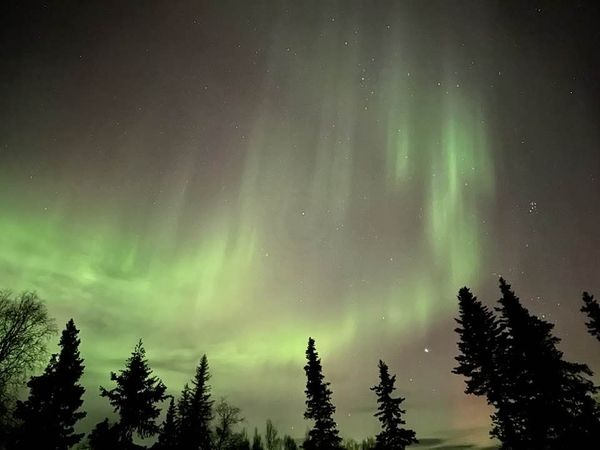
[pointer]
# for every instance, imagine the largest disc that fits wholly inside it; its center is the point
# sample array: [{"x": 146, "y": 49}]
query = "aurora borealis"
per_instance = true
[{"x": 230, "y": 178}]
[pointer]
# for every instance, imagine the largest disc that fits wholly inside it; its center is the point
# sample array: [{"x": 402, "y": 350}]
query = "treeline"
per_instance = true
[
  {"x": 193, "y": 421},
  {"x": 507, "y": 355}
]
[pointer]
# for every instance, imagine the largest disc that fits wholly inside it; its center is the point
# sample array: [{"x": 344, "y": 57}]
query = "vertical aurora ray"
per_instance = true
[
  {"x": 462, "y": 181},
  {"x": 449, "y": 166},
  {"x": 399, "y": 132}
]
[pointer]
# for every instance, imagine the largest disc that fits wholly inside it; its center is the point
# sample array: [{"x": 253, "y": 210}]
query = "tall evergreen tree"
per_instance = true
[
  {"x": 480, "y": 341},
  {"x": 288, "y": 443},
  {"x": 392, "y": 436},
  {"x": 552, "y": 404},
  {"x": 319, "y": 408},
  {"x": 257, "y": 441},
  {"x": 135, "y": 397},
  {"x": 182, "y": 416},
  {"x": 592, "y": 309},
  {"x": 541, "y": 401},
  {"x": 167, "y": 437},
  {"x": 50, "y": 413},
  {"x": 196, "y": 411}
]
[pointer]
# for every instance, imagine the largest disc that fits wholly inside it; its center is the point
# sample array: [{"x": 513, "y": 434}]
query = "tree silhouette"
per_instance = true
[
  {"x": 592, "y": 309},
  {"x": 366, "y": 444},
  {"x": 257, "y": 441},
  {"x": 239, "y": 441},
  {"x": 551, "y": 399},
  {"x": 167, "y": 437},
  {"x": 195, "y": 411},
  {"x": 272, "y": 441},
  {"x": 393, "y": 436},
  {"x": 541, "y": 401},
  {"x": 183, "y": 414},
  {"x": 319, "y": 408},
  {"x": 228, "y": 416},
  {"x": 480, "y": 340},
  {"x": 49, "y": 414},
  {"x": 24, "y": 331},
  {"x": 104, "y": 436},
  {"x": 135, "y": 397},
  {"x": 477, "y": 344},
  {"x": 289, "y": 443}
]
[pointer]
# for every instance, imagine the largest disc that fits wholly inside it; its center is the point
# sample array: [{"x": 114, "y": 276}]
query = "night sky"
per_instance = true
[{"x": 230, "y": 178}]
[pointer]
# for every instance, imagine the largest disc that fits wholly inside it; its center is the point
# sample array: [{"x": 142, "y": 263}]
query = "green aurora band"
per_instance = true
[
  {"x": 243, "y": 266},
  {"x": 230, "y": 274}
]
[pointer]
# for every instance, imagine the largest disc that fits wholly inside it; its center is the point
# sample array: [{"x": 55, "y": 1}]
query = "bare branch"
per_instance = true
[{"x": 24, "y": 331}]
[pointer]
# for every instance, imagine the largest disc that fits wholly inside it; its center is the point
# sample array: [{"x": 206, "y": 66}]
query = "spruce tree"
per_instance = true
[
  {"x": 257, "y": 441},
  {"x": 105, "y": 436},
  {"x": 592, "y": 309},
  {"x": 289, "y": 443},
  {"x": 167, "y": 437},
  {"x": 551, "y": 404},
  {"x": 196, "y": 411},
  {"x": 50, "y": 413},
  {"x": 182, "y": 416},
  {"x": 392, "y": 436},
  {"x": 136, "y": 396},
  {"x": 480, "y": 343},
  {"x": 478, "y": 340},
  {"x": 319, "y": 408}
]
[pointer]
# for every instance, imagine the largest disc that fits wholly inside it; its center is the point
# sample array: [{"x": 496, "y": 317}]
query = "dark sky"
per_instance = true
[{"x": 230, "y": 177}]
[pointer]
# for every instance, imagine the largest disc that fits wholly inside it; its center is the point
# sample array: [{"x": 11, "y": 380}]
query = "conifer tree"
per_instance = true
[
  {"x": 183, "y": 405},
  {"x": 135, "y": 397},
  {"x": 167, "y": 437},
  {"x": 319, "y": 408},
  {"x": 289, "y": 443},
  {"x": 541, "y": 401},
  {"x": 196, "y": 411},
  {"x": 551, "y": 399},
  {"x": 592, "y": 309},
  {"x": 50, "y": 413},
  {"x": 480, "y": 343},
  {"x": 392, "y": 436},
  {"x": 105, "y": 436},
  {"x": 257, "y": 441},
  {"x": 478, "y": 340},
  {"x": 239, "y": 441}
]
